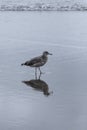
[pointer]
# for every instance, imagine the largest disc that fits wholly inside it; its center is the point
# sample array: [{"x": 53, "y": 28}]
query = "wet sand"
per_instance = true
[{"x": 24, "y": 35}]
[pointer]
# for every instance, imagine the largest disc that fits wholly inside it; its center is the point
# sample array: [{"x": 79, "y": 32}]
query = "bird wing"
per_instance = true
[{"x": 34, "y": 61}]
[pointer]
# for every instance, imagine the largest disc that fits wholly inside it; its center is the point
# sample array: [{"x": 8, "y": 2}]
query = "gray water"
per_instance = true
[{"x": 24, "y": 35}]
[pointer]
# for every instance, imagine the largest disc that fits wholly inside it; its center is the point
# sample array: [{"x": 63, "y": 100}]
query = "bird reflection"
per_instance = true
[{"x": 38, "y": 85}]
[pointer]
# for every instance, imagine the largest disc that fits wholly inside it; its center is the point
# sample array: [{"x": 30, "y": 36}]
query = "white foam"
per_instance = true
[{"x": 43, "y": 5}]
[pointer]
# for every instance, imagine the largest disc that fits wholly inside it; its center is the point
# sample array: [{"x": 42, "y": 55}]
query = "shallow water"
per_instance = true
[{"x": 24, "y": 35}]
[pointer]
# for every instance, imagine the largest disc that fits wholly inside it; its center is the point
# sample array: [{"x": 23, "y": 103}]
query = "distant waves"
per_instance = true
[{"x": 44, "y": 7}]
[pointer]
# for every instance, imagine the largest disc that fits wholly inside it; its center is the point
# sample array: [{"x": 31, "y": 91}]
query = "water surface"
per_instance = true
[{"x": 24, "y": 35}]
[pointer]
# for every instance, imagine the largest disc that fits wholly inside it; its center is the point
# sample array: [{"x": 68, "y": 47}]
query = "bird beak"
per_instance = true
[{"x": 50, "y": 54}]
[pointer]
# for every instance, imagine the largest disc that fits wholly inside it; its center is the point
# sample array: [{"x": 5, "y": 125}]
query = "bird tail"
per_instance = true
[
  {"x": 22, "y": 64},
  {"x": 26, "y": 63}
]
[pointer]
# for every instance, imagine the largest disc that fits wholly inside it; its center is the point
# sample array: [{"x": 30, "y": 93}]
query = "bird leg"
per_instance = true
[
  {"x": 40, "y": 71},
  {"x": 39, "y": 76},
  {"x": 36, "y": 72}
]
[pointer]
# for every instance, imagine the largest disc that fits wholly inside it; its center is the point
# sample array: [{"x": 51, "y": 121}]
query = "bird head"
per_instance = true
[{"x": 45, "y": 53}]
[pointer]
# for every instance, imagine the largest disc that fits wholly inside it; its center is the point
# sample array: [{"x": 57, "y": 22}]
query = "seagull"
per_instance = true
[{"x": 37, "y": 62}]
